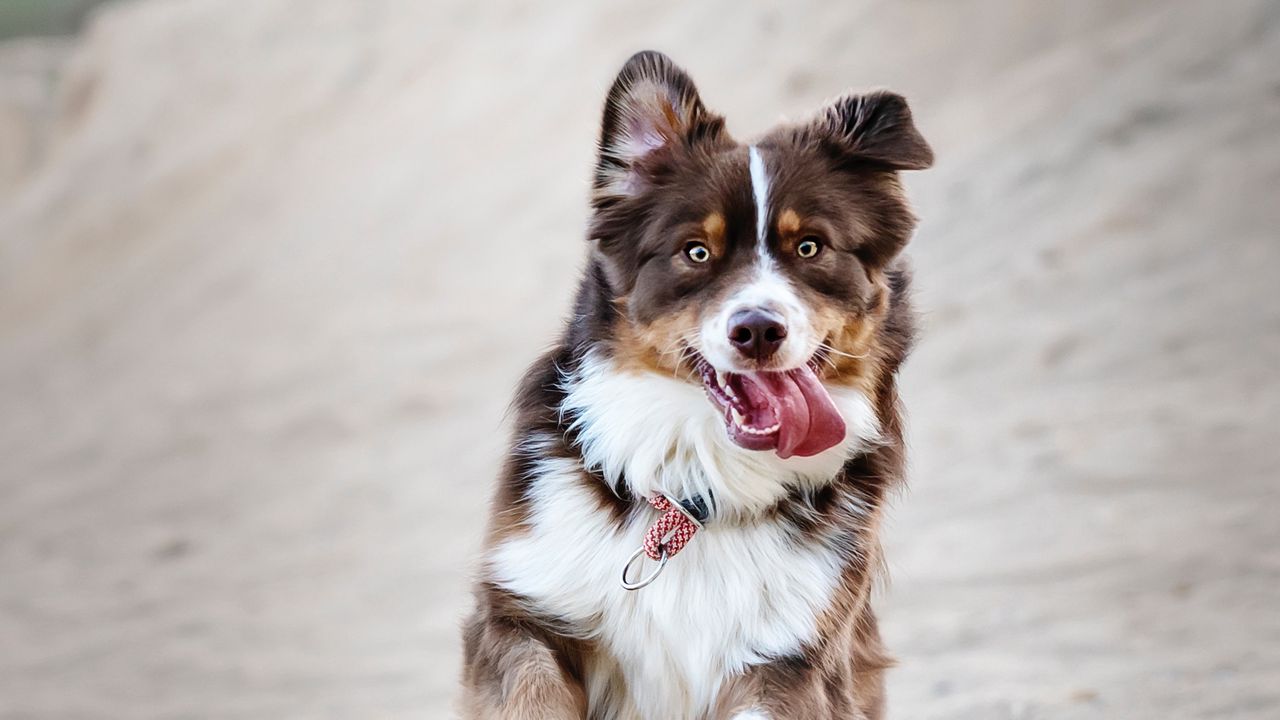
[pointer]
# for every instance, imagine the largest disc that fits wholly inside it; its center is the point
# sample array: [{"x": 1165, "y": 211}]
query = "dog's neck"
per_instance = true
[{"x": 648, "y": 434}]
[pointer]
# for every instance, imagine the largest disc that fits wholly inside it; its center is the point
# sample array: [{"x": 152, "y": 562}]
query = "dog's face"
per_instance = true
[{"x": 757, "y": 270}]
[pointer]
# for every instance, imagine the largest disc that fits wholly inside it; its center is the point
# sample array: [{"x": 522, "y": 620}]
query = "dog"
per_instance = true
[{"x": 687, "y": 523}]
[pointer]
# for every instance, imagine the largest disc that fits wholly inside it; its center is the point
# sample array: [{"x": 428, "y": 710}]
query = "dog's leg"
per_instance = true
[
  {"x": 845, "y": 681},
  {"x": 869, "y": 664},
  {"x": 781, "y": 690},
  {"x": 512, "y": 674}
]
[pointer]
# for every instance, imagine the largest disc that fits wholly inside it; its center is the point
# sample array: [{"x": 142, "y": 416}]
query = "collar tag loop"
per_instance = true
[{"x": 664, "y": 539}]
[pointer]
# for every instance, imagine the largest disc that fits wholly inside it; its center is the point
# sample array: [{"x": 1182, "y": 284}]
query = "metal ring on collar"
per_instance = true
[{"x": 626, "y": 569}]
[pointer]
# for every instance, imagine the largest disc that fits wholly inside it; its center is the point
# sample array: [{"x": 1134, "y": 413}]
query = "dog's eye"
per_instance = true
[
  {"x": 808, "y": 247},
  {"x": 697, "y": 252}
]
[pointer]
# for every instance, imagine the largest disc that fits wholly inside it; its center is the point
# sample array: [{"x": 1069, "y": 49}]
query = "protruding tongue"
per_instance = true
[{"x": 807, "y": 417}]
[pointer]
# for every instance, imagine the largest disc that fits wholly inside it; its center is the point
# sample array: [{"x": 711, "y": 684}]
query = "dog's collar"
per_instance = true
[
  {"x": 667, "y": 536},
  {"x": 695, "y": 507}
]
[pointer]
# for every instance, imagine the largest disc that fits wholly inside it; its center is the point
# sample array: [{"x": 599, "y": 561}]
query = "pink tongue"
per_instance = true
[{"x": 808, "y": 419}]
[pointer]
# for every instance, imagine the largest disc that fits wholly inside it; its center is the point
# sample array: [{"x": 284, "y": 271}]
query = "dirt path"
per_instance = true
[{"x": 269, "y": 278}]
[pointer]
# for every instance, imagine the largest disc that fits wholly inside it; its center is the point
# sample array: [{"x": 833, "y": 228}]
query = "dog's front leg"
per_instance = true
[
  {"x": 759, "y": 695},
  {"x": 796, "y": 689},
  {"x": 512, "y": 674}
]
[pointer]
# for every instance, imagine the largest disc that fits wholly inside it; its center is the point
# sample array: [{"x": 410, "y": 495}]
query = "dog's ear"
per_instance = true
[
  {"x": 875, "y": 127},
  {"x": 652, "y": 108}
]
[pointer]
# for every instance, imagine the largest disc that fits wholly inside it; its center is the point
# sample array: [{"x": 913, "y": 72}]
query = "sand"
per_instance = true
[{"x": 269, "y": 271}]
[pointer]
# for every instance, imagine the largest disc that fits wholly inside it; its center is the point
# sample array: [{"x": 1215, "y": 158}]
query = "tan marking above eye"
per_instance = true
[
  {"x": 788, "y": 222},
  {"x": 713, "y": 225},
  {"x": 713, "y": 231},
  {"x": 792, "y": 232}
]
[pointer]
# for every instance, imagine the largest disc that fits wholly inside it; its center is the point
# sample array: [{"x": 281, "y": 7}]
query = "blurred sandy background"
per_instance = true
[{"x": 269, "y": 271}]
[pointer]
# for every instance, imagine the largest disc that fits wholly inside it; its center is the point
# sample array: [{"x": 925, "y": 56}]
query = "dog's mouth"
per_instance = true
[{"x": 789, "y": 412}]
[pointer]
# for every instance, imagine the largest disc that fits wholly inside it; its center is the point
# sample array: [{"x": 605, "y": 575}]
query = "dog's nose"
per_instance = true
[{"x": 756, "y": 333}]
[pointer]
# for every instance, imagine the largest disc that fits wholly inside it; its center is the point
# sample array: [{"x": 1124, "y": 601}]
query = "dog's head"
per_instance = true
[{"x": 757, "y": 269}]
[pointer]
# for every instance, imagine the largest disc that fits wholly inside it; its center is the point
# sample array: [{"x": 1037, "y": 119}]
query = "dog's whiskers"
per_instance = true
[
  {"x": 682, "y": 348},
  {"x": 833, "y": 351}
]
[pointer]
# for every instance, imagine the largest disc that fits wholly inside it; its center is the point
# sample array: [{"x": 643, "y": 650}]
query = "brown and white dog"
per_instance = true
[{"x": 733, "y": 347}]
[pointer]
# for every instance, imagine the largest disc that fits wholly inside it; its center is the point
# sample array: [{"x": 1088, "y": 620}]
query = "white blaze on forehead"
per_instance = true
[
  {"x": 767, "y": 288},
  {"x": 760, "y": 190}
]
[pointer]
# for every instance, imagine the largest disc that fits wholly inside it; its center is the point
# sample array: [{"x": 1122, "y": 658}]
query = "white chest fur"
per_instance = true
[
  {"x": 737, "y": 595},
  {"x": 734, "y": 596}
]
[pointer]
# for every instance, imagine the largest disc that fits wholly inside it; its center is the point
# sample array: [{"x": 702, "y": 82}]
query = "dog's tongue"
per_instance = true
[{"x": 807, "y": 417}]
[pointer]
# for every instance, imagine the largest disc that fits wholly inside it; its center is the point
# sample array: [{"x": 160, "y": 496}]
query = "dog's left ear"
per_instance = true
[
  {"x": 876, "y": 127},
  {"x": 652, "y": 109}
]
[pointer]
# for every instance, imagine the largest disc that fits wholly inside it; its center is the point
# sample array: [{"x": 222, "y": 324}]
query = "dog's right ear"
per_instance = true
[
  {"x": 875, "y": 127},
  {"x": 652, "y": 107}
]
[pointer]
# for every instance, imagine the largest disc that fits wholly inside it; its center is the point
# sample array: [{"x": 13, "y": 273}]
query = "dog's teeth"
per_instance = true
[
  {"x": 761, "y": 431},
  {"x": 721, "y": 381},
  {"x": 738, "y": 419}
]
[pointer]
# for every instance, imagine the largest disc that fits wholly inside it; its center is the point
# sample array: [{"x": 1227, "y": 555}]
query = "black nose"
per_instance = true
[{"x": 757, "y": 333}]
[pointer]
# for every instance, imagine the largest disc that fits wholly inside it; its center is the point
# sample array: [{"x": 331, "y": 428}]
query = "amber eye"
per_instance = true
[
  {"x": 808, "y": 247},
  {"x": 697, "y": 252}
]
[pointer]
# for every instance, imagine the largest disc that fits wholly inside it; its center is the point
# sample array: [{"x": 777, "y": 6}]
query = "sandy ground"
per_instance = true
[{"x": 269, "y": 270}]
